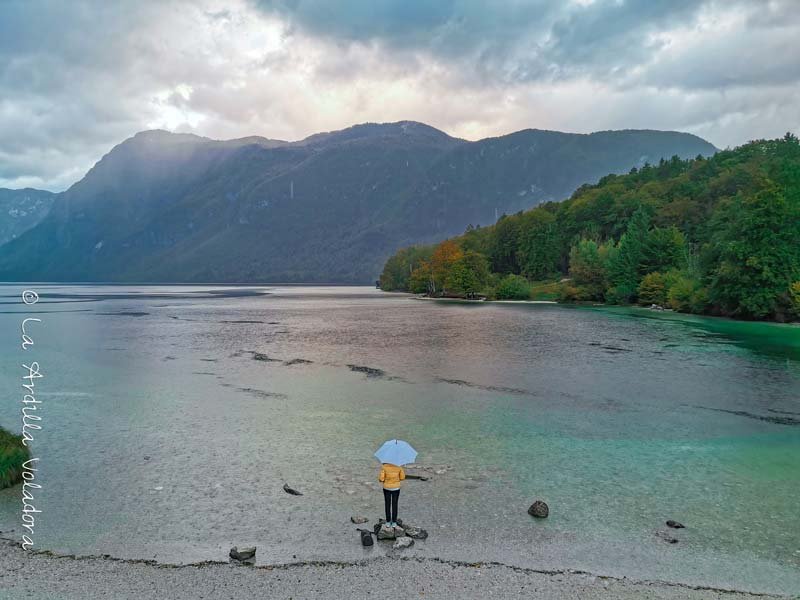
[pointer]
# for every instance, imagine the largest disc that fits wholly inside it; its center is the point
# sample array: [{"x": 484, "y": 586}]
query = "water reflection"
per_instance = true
[{"x": 220, "y": 395}]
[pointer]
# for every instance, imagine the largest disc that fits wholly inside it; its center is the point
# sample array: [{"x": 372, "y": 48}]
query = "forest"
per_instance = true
[{"x": 717, "y": 235}]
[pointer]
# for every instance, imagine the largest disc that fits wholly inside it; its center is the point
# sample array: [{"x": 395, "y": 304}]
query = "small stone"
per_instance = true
[
  {"x": 674, "y": 524},
  {"x": 403, "y": 542},
  {"x": 359, "y": 520},
  {"x": 290, "y": 490},
  {"x": 416, "y": 533},
  {"x": 539, "y": 509},
  {"x": 246, "y": 553}
]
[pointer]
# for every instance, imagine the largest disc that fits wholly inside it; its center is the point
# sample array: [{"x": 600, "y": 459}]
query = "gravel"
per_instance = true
[{"x": 43, "y": 576}]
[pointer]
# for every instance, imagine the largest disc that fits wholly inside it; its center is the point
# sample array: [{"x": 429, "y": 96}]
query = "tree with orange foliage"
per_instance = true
[{"x": 444, "y": 257}]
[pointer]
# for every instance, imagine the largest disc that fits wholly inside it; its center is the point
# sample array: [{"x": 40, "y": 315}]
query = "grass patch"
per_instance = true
[
  {"x": 545, "y": 290},
  {"x": 12, "y": 455}
]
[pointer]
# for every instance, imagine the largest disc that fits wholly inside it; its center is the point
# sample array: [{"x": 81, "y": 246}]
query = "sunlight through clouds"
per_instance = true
[{"x": 727, "y": 71}]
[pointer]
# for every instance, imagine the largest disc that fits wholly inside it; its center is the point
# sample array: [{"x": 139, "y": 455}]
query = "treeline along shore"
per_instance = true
[{"x": 717, "y": 236}]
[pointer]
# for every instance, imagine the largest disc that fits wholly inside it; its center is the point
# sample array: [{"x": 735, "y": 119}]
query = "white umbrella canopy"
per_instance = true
[{"x": 396, "y": 452}]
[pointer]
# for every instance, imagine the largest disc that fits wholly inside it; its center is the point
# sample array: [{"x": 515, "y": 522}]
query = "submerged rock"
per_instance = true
[
  {"x": 539, "y": 509},
  {"x": 403, "y": 542},
  {"x": 368, "y": 371},
  {"x": 242, "y": 554},
  {"x": 675, "y": 524},
  {"x": 666, "y": 536},
  {"x": 359, "y": 520},
  {"x": 298, "y": 361}
]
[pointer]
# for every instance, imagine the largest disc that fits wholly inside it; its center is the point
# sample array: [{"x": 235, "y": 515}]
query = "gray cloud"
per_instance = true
[{"x": 76, "y": 78}]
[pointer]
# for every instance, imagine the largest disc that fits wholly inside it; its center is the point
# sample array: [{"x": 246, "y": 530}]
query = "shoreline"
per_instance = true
[
  {"x": 666, "y": 312},
  {"x": 466, "y": 300},
  {"x": 46, "y": 574}
]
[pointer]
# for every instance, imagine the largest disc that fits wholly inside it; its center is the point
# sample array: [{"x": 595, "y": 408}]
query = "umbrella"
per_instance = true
[{"x": 396, "y": 452}]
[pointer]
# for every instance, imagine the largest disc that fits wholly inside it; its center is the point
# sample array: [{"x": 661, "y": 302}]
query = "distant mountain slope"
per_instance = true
[
  {"x": 330, "y": 208},
  {"x": 479, "y": 181},
  {"x": 22, "y": 209}
]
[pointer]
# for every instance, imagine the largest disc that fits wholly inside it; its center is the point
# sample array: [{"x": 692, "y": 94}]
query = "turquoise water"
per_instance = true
[{"x": 164, "y": 438}]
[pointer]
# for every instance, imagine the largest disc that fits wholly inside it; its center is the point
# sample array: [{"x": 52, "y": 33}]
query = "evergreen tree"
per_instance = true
[
  {"x": 759, "y": 255},
  {"x": 628, "y": 262},
  {"x": 539, "y": 248}
]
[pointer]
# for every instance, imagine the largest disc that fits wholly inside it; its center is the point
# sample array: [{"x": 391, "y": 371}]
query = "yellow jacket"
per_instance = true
[{"x": 391, "y": 476}]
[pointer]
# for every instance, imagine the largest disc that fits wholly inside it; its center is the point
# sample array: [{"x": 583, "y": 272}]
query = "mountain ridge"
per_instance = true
[{"x": 164, "y": 206}]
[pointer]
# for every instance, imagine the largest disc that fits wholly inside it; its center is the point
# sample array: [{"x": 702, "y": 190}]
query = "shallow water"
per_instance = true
[{"x": 164, "y": 437}]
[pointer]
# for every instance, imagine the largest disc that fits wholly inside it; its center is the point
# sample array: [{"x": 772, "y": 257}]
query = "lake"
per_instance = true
[{"x": 173, "y": 415}]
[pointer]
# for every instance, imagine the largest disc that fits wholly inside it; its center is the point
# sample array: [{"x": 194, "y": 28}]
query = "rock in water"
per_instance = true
[
  {"x": 366, "y": 538},
  {"x": 539, "y": 509},
  {"x": 291, "y": 491},
  {"x": 674, "y": 524},
  {"x": 359, "y": 520},
  {"x": 416, "y": 533},
  {"x": 248, "y": 553},
  {"x": 403, "y": 542}
]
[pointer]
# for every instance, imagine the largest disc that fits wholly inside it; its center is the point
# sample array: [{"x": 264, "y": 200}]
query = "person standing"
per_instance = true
[{"x": 391, "y": 476}]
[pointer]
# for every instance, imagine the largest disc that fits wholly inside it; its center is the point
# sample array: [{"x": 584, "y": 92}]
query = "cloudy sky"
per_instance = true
[{"x": 79, "y": 76}]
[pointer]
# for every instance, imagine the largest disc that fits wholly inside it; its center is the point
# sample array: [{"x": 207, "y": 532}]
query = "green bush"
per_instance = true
[
  {"x": 623, "y": 293},
  {"x": 687, "y": 294},
  {"x": 577, "y": 293},
  {"x": 568, "y": 293},
  {"x": 794, "y": 299},
  {"x": 12, "y": 455},
  {"x": 653, "y": 289},
  {"x": 514, "y": 287},
  {"x": 545, "y": 290}
]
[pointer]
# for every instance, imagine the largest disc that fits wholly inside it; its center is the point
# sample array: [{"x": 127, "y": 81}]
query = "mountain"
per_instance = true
[
  {"x": 329, "y": 208},
  {"x": 22, "y": 209}
]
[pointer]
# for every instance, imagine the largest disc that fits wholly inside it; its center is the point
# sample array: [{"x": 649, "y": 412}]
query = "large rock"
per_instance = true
[
  {"x": 403, "y": 542},
  {"x": 539, "y": 509},
  {"x": 359, "y": 520},
  {"x": 245, "y": 553},
  {"x": 389, "y": 533},
  {"x": 382, "y": 522}
]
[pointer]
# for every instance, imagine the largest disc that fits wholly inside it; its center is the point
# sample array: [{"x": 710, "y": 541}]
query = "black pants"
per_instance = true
[{"x": 390, "y": 501}]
